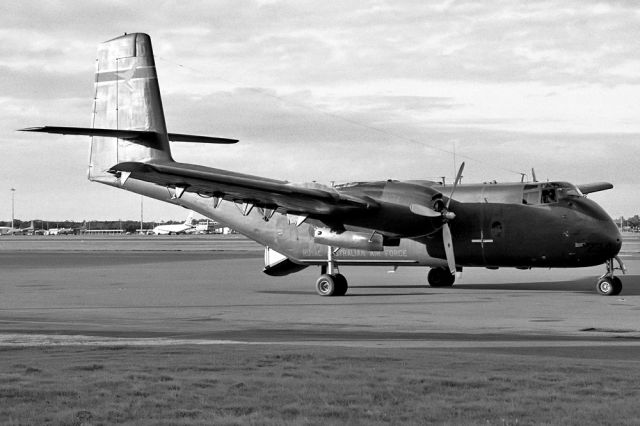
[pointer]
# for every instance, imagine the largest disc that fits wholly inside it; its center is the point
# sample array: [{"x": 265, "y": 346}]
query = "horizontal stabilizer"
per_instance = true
[
  {"x": 143, "y": 137},
  {"x": 178, "y": 137},
  {"x": 588, "y": 188}
]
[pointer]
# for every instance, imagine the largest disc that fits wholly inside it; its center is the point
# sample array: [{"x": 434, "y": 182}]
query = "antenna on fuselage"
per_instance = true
[
  {"x": 455, "y": 169},
  {"x": 533, "y": 174}
]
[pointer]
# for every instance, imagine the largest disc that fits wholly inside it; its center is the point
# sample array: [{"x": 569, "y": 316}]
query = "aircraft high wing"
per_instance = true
[
  {"x": 387, "y": 222},
  {"x": 333, "y": 207},
  {"x": 254, "y": 191},
  {"x": 594, "y": 187}
]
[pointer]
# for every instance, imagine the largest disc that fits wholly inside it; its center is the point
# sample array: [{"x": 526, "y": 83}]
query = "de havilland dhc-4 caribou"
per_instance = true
[{"x": 393, "y": 223}]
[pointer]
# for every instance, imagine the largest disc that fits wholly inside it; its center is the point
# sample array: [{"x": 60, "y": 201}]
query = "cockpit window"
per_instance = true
[
  {"x": 569, "y": 192},
  {"x": 548, "y": 195},
  {"x": 549, "y": 192}
]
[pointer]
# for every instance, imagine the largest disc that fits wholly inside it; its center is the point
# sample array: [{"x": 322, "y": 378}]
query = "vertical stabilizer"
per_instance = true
[
  {"x": 127, "y": 97},
  {"x": 189, "y": 220}
]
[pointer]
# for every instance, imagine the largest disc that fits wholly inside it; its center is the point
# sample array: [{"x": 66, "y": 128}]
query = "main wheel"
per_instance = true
[
  {"x": 440, "y": 277},
  {"x": 341, "y": 285},
  {"x": 326, "y": 285},
  {"x": 617, "y": 286},
  {"x": 609, "y": 286}
]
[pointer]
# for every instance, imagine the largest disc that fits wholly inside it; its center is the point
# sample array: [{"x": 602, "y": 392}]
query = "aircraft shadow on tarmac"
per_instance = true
[
  {"x": 630, "y": 283},
  {"x": 357, "y": 295},
  {"x": 631, "y": 287},
  {"x": 395, "y": 287}
]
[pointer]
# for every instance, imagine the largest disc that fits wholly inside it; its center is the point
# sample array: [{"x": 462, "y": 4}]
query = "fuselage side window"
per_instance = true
[{"x": 531, "y": 196}]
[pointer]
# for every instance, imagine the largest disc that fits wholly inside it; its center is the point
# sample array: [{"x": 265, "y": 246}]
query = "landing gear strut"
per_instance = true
[
  {"x": 440, "y": 277},
  {"x": 331, "y": 282},
  {"x": 608, "y": 284}
]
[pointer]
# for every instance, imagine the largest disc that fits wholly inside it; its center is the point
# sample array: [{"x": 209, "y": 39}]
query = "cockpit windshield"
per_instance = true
[{"x": 549, "y": 192}]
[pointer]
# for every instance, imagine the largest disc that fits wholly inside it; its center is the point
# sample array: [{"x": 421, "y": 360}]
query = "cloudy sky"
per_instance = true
[{"x": 333, "y": 91}]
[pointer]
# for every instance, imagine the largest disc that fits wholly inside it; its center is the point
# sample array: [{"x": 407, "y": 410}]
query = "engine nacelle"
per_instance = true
[{"x": 349, "y": 239}]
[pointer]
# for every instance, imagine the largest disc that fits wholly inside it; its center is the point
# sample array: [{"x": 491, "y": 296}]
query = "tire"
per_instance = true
[
  {"x": 606, "y": 286},
  {"x": 617, "y": 286},
  {"x": 341, "y": 285},
  {"x": 440, "y": 277},
  {"x": 326, "y": 285}
]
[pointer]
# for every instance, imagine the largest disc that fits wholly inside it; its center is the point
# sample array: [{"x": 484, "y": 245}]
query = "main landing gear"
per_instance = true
[
  {"x": 332, "y": 285},
  {"x": 331, "y": 282},
  {"x": 608, "y": 284},
  {"x": 440, "y": 277}
]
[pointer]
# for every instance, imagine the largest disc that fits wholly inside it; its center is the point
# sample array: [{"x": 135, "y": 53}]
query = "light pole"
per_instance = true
[
  {"x": 141, "y": 215},
  {"x": 13, "y": 194}
]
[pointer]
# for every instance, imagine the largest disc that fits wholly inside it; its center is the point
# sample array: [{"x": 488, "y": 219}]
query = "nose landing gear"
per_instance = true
[{"x": 608, "y": 284}]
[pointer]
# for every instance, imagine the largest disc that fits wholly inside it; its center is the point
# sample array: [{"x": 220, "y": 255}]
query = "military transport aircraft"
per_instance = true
[{"x": 388, "y": 222}]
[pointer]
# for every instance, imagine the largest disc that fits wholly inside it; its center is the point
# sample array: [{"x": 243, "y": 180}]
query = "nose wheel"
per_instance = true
[{"x": 609, "y": 284}]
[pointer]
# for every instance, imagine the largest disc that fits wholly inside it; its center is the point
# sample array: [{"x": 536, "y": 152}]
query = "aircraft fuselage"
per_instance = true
[{"x": 570, "y": 231}]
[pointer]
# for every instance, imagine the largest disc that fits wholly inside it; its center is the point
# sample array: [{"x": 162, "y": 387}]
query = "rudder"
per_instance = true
[{"x": 127, "y": 97}]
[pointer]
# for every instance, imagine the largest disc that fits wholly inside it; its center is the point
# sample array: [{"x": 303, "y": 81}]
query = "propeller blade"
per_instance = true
[
  {"x": 448, "y": 248},
  {"x": 455, "y": 183},
  {"x": 423, "y": 211}
]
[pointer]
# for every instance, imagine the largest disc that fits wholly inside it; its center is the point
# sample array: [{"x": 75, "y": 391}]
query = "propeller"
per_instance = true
[
  {"x": 448, "y": 248},
  {"x": 447, "y": 216},
  {"x": 446, "y": 231}
]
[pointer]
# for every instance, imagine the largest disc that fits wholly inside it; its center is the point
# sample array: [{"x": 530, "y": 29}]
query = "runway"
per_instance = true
[{"x": 168, "y": 291}]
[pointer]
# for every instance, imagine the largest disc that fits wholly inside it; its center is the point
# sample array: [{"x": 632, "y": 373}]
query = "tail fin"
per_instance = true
[
  {"x": 189, "y": 220},
  {"x": 127, "y": 97}
]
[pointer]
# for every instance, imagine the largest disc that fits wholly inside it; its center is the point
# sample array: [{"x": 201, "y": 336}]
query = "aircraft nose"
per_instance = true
[
  {"x": 610, "y": 239},
  {"x": 603, "y": 236}
]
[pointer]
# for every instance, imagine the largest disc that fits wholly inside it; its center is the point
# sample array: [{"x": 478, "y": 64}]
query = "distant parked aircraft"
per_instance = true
[
  {"x": 58, "y": 231},
  {"x": 29, "y": 230},
  {"x": 181, "y": 228},
  {"x": 8, "y": 230}
]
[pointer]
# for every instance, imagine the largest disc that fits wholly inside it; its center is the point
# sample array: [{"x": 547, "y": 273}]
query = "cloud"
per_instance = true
[{"x": 335, "y": 91}]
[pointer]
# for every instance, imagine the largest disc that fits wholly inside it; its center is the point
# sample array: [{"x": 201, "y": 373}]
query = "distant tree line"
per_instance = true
[
  {"x": 629, "y": 223},
  {"x": 126, "y": 225}
]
